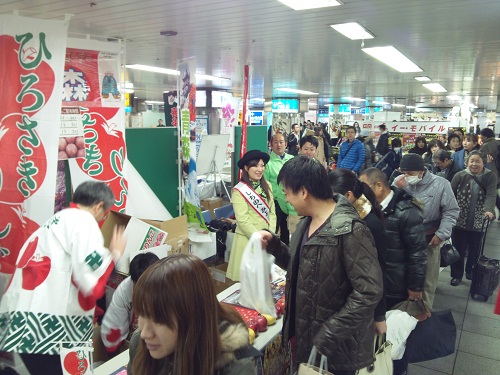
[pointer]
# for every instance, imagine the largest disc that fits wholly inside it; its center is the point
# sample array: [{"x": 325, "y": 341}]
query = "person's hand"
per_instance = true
[
  {"x": 400, "y": 181},
  {"x": 266, "y": 237},
  {"x": 489, "y": 158},
  {"x": 380, "y": 327},
  {"x": 435, "y": 241},
  {"x": 489, "y": 215},
  {"x": 414, "y": 296},
  {"x": 118, "y": 241}
]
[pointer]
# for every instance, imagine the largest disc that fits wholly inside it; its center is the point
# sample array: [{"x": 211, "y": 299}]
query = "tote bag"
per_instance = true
[
  {"x": 254, "y": 278},
  {"x": 382, "y": 364},
  {"x": 310, "y": 369}
]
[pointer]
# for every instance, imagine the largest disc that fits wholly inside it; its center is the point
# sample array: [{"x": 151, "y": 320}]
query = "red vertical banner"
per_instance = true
[{"x": 243, "y": 145}]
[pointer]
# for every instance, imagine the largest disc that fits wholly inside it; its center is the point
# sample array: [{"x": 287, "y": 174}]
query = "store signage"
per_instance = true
[
  {"x": 345, "y": 108},
  {"x": 256, "y": 117},
  {"x": 285, "y": 105},
  {"x": 358, "y": 111}
]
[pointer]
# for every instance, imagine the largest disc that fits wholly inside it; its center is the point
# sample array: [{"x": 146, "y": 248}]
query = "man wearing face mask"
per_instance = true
[{"x": 440, "y": 212}]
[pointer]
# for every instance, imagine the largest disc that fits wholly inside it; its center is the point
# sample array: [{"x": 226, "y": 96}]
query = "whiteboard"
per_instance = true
[{"x": 213, "y": 147}]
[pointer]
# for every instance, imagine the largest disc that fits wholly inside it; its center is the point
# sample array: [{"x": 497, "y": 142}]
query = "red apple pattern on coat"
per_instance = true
[{"x": 35, "y": 272}]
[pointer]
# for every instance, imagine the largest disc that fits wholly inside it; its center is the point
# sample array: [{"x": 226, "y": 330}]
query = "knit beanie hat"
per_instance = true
[{"x": 412, "y": 162}]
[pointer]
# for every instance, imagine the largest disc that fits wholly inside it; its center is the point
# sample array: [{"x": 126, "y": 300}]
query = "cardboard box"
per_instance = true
[
  {"x": 219, "y": 276},
  {"x": 211, "y": 203},
  {"x": 175, "y": 234}
]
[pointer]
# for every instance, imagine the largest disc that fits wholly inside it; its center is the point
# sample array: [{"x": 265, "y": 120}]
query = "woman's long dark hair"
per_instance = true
[
  {"x": 344, "y": 180},
  {"x": 263, "y": 183},
  {"x": 178, "y": 291}
]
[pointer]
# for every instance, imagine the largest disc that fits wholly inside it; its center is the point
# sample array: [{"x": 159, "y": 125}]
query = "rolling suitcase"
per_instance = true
[{"x": 485, "y": 273}]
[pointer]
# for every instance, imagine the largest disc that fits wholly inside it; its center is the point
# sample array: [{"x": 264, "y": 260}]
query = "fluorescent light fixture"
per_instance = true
[
  {"x": 377, "y": 102},
  {"x": 173, "y": 72},
  {"x": 353, "y": 31},
  {"x": 391, "y": 56},
  {"x": 410, "y": 106},
  {"x": 353, "y": 99},
  {"x": 153, "y": 102},
  {"x": 310, "y": 4},
  {"x": 422, "y": 78},
  {"x": 354, "y": 107},
  {"x": 257, "y": 100},
  {"x": 153, "y": 69},
  {"x": 454, "y": 97},
  {"x": 295, "y": 91},
  {"x": 472, "y": 106},
  {"x": 398, "y": 105},
  {"x": 435, "y": 87},
  {"x": 128, "y": 91}
]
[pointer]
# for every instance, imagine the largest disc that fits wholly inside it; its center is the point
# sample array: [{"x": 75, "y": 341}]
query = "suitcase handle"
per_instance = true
[{"x": 484, "y": 230}]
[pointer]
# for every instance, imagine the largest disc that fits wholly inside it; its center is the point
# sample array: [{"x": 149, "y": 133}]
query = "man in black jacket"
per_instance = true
[
  {"x": 443, "y": 161},
  {"x": 293, "y": 140},
  {"x": 383, "y": 141},
  {"x": 406, "y": 258}
]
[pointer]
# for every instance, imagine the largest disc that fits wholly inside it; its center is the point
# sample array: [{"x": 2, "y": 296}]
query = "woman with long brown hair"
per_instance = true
[
  {"x": 253, "y": 204},
  {"x": 184, "y": 330}
]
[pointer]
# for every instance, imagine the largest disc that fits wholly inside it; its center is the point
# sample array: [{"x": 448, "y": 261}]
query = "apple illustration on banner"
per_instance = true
[
  {"x": 74, "y": 365},
  {"x": 35, "y": 272}
]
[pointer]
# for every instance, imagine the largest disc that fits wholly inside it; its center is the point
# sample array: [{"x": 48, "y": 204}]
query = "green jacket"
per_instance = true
[{"x": 273, "y": 168}]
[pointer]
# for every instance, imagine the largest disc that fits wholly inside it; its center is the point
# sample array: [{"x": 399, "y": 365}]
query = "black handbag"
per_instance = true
[
  {"x": 449, "y": 254},
  {"x": 432, "y": 338}
]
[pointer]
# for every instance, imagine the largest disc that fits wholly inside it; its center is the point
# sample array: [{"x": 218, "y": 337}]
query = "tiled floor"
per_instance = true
[{"x": 478, "y": 329}]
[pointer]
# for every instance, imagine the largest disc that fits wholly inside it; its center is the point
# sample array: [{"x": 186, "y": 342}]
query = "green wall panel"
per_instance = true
[
  {"x": 153, "y": 152},
  {"x": 256, "y": 140}
]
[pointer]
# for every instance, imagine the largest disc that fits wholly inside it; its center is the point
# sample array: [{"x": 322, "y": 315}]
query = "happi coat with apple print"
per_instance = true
[{"x": 60, "y": 273}]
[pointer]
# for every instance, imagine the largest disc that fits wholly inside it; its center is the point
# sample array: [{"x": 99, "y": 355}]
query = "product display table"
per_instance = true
[{"x": 260, "y": 343}]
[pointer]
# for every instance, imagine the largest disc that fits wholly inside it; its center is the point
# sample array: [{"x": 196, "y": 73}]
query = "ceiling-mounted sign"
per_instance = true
[
  {"x": 345, "y": 108},
  {"x": 285, "y": 106},
  {"x": 358, "y": 111}
]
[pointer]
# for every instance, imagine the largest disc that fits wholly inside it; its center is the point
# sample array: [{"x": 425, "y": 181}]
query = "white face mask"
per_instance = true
[
  {"x": 413, "y": 180},
  {"x": 396, "y": 149}
]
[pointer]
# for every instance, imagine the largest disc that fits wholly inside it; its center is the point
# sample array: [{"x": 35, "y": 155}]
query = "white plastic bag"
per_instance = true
[
  {"x": 399, "y": 326},
  {"x": 254, "y": 278}
]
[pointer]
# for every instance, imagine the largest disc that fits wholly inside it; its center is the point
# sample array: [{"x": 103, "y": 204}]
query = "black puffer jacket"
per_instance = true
[
  {"x": 338, "y": 284},
  {"x": 406, "y": 258}
]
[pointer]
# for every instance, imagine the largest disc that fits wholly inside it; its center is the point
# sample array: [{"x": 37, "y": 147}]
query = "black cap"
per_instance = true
[
  {"x": 253, "y": 155},
  {"x": 412, "y": 162}
]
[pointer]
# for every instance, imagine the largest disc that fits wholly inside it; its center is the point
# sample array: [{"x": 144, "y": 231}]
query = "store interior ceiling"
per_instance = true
[{"x": 456, "y": 43}]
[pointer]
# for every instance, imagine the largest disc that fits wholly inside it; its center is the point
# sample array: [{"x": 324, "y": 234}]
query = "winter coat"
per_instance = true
[
  {"x": 273, "y": 168},
  {"x": 459, "y": 158},
  {"x": 292, "y": 144},
  {"x": 235, "y": 357},
  {"x": 490, "y": 147},
  {"x": 337, "y": 283},
  {"x": 472, "y": 199},
  {"x": 406, "y": 258},
  {"x": 351, "y": 155},
  {"x": 440, "y": 206},
  {"x": 451, "y": 171},
  {"x": 389, "y": 162},
  {"x": 383, "y": 144}
]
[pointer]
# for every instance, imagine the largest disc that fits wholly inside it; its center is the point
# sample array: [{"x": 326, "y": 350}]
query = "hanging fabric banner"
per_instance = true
[
  {"x": 93, "y": 113},
  {"x": 32, "y": 63},
  {"x": 186, "y": 84},
  {"x": 170, "y": 100},
  {"x": 77, "y": 359},
  {"x": 229, "y": 119}
]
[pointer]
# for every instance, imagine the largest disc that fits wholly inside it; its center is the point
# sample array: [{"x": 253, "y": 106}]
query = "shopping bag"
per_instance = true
[
  {"x": 254, "y": 278},
  {"x": 432, "y": 338},
  {"x": 310, "y": 369},
  {"x": 416, "y": 308},
  {"x": 449, "y": 254},
  {"x": 382, "y": 362},
  {"x": 399, "y": 326}
]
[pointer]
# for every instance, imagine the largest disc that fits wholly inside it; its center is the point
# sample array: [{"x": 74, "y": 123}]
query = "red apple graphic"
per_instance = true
[
  {"x": 252, "y": 324},
  {"x": 261, "y": 323},
  {"x": 28, "y": 253},
  {"x": 113, "y": 335},
  {"x": 74, "y": 365},
  {"x": 86, "y": 302},
  {"x": 35, "y": 272}
]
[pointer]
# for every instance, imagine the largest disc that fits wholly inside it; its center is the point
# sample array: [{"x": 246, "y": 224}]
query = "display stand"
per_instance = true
[{"x": 211, "y": 157}]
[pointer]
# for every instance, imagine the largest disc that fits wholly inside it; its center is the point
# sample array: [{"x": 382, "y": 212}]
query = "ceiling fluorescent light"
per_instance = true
[
  {"x": 422, "y": 78},
  {"x": 174, "y": 72},
  {"x": 295, "y": 91},
  {"x": 153, "y": 102},
  {"x": 353, "y": 31},
  {"x": 398, "y": 105},
  {"x": 377, "y": 102},
  {"x": 310, "y": 4},
  {"x": 391, "y": 56},
  {"x": 454, "y": 97},
  {"x": 353, "y": 99},
  {"x": 410, "y": 106},
  {"x": 153, "y": 69},
  {"x": 435, "y": 87}
]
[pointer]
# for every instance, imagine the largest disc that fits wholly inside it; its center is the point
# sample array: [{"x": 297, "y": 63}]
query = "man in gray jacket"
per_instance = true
[{"x": 440, "y": 212}]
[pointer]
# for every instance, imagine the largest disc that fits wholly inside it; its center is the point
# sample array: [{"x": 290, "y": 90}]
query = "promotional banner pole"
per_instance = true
[{"x": 243, "y": 144}]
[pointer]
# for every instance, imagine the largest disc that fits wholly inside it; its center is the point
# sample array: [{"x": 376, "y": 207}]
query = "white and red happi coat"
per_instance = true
[{"x": 60, "y": 273}]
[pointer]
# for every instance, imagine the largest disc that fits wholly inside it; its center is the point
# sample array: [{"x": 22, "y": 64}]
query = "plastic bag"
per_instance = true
[
  {"x": 399, "y": 326},
  {"x": 254, "y": 278}
]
